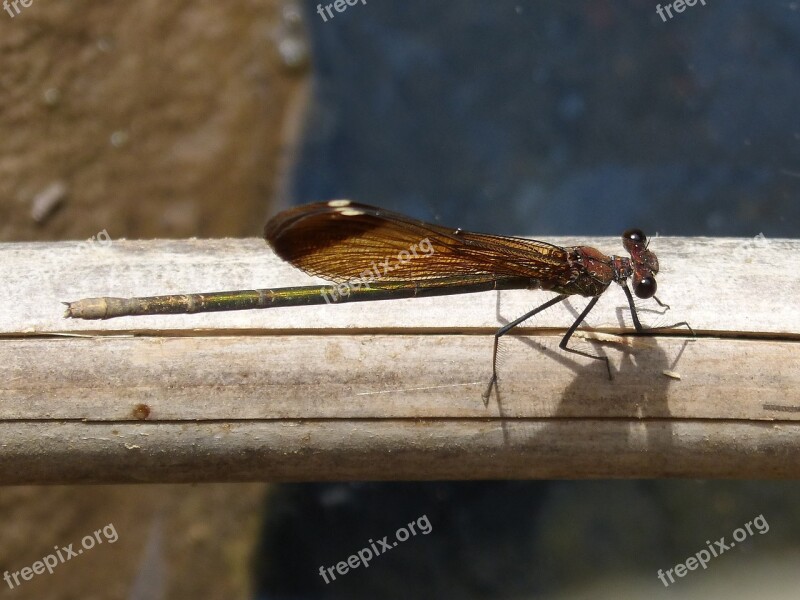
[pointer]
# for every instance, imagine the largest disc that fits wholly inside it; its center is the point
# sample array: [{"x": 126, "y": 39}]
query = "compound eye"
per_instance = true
[
  {"x": 635, "y": 235},
  {"x": 645, "y": 287}
]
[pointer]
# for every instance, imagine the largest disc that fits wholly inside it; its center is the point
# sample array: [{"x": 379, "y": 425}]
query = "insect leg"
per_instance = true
[
  {"x": 637, "y": 324},
  {"x": 571, "y": 330},
  {"x": 506, "y": 328}
]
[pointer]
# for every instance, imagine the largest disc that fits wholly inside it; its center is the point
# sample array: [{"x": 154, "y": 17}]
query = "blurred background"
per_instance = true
[{"x": 579, "y": 117}]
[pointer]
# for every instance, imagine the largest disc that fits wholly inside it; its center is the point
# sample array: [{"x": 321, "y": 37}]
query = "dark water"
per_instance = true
[
  {"x": 561, "y": 117},
  {"x": 569, "y": 117}
]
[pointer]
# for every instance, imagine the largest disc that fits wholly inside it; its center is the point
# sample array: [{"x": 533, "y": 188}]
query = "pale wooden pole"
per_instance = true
[{"x": 392, "y": 389}]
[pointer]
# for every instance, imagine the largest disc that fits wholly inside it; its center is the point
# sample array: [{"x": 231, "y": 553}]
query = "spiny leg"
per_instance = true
[
  {"x": 660, "y": 303},
  {"x": 571, "y": 330},
  {"x": 637, "y": 324},
  {"x": 506, "y": 328}
]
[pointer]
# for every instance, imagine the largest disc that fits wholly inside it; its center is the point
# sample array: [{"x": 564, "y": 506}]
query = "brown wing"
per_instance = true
[{"x": 342, "y": 240}]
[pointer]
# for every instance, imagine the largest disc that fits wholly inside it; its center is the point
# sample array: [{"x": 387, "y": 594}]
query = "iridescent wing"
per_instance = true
[{"x": 341, "y": 240}]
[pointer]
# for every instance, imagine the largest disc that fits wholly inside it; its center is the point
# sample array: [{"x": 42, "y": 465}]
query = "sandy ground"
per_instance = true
[{"x": 139, "y": 120}]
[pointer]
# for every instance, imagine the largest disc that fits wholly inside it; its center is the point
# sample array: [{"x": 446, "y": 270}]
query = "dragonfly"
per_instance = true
[{"x": 369, "y": 253}]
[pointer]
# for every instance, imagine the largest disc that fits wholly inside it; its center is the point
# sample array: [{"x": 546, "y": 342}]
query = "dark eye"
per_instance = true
[
  {"x": 635, "y": 235},
  {"x": 645, "y": 287}
]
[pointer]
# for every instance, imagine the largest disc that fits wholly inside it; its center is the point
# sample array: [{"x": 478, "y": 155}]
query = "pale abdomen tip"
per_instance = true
[{"x": 89, "y": 308}]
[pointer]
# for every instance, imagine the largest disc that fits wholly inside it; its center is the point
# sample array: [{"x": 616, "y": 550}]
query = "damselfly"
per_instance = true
[{"x": 374, "y": 254}]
